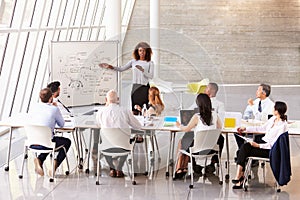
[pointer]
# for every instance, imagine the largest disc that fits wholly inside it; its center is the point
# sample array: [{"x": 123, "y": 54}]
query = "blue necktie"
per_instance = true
[{"x": 259, "y": 106}]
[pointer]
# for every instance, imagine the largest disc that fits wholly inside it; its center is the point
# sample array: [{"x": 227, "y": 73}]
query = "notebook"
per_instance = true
[{"x": 170, "y": 121}]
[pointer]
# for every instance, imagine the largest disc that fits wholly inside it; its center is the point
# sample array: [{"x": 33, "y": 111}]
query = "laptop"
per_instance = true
[{"x": 186, "y": 116}]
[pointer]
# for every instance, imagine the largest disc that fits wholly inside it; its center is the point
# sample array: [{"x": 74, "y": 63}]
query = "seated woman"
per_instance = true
[
  {"x": 154, "y": 108},
  {"x": 204, "y": 120},
  {"x": 155, "y": 105},
  {"x": 273, "y": 128}
]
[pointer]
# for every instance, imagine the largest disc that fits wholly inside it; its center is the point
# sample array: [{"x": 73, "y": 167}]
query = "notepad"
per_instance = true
[
  {"x": 170, "y": 121},
  {"x": 229, "y": 123},
  {"x": 245, "y": 138}
]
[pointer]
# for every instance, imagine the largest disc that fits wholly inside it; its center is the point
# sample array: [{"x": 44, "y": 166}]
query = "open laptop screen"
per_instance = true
[{"x": 186, "y": 115}]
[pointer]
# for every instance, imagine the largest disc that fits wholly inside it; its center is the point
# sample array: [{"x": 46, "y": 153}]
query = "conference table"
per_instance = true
[{"x": 77, "y": 124}]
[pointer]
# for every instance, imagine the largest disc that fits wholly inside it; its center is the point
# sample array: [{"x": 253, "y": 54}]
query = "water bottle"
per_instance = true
[{"x": 144, "y": 113}]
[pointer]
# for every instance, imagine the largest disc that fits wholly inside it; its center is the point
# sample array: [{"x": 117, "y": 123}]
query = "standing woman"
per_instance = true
[{"x": 142, "y": 72}]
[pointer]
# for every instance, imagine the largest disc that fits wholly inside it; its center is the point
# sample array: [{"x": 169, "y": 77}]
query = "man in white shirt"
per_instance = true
[
  {"x": 262, "y": 106},
  {"x": 115, "y": 116},
  {"x": 258, "y": 109}
]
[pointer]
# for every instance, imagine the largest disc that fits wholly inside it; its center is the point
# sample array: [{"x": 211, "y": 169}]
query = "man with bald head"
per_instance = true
[{"x": 114, "y": 116}]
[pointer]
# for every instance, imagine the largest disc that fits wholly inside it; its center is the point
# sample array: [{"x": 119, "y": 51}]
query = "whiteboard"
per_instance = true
[{"x": 75, "y": 66}]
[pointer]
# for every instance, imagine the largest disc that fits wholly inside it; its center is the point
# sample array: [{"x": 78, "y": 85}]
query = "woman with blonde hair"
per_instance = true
[{"x": 155, "y": 105}]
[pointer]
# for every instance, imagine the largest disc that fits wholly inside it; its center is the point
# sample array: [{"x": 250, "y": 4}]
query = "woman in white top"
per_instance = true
[
  {"x": 204, "y": 120},
  {"x": 142, "y": 72},
  {"x": 273, "y": 128}
]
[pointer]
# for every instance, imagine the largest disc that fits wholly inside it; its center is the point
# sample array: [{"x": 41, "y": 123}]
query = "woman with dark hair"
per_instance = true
[
  {"x": 273, "y": 128},
  {"x": 204, "y": 120},
  {"x": 142, "y": 72}
]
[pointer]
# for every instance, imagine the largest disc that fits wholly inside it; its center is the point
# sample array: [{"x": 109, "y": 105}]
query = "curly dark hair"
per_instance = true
[{"x": 147, "y": 48}]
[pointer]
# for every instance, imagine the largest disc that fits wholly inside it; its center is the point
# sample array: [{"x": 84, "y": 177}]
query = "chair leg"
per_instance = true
[
  {"x": 246, "y": 173},
  {"x": 53, "y": 168},
  {"x": 192, "y": 171},
  {"x": 156, "y": 144},
  {"x": 67, "y": 172},
  {"x": 132, "y": 169},
  {"x": 220, "y": 170},
  {"x": 98, "y": 168}
]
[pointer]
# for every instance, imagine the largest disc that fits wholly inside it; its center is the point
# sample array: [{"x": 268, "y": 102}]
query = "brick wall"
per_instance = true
[{"x": 239, "y": 41}]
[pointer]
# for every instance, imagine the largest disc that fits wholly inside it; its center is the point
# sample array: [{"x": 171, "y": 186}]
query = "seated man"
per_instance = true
[
  {"x": 114, "y": 116},
  {"x": 258, "y": 109},
  {"x": 46, "y": 114}
]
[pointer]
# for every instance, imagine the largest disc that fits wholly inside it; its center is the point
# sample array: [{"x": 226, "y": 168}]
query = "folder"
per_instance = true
[{"x": 229, "y": 123}]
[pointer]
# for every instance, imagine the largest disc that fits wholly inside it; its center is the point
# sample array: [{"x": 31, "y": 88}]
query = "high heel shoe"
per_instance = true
[
  {"x": 235, "y": 181},
  {"x": 179, "y": 174},
  {"x": 238, "y": 186}
]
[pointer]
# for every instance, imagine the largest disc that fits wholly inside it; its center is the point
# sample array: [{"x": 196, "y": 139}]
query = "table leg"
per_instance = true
[
  {"x": 9, "y": 149},
  {"x": 146, "y": 149},
  {"x": 89, "y": 151},
  {"x": 227, "y": 164},
  {"x": 170, "y": 153}
]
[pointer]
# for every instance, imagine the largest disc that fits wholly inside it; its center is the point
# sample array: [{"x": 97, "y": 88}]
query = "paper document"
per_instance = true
[{"x": 245, "y": 138}]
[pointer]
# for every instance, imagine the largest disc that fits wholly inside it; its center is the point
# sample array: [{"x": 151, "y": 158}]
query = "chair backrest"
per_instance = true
[
  {"x": 39, "y": 135},
  {"x": 205, "y": 140},
  {"x": 232, "y": 119},
  {"x": 115, "y": 137}
]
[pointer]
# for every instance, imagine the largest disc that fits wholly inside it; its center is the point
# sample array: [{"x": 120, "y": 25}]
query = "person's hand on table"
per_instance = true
[
  {"x": 240, "y": 130},
  {"x": 178, "y": 124}
]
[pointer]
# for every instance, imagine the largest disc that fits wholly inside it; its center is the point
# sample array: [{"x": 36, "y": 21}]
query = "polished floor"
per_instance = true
[{"x": 80, "y": 185}]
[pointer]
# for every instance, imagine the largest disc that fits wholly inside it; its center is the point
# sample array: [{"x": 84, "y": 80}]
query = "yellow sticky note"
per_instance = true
[{"x": 229, "y": 123}]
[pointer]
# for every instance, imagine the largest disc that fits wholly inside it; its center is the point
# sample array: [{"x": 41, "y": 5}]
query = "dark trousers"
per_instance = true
[
  {"x": 121, "y": 159},
  {"x": 247, "y": 150},
  {"x": 59, "y": 141},
  {"x": 139, "y": 96}
]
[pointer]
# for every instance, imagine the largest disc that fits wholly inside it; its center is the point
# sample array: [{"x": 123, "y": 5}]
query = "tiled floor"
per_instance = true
[{"x": 79, "y": 185}]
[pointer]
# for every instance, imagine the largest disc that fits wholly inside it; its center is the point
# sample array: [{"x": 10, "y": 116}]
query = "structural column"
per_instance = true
[
  {"x": 154, "y": 34},
  {"x": 113, "y": 24}
]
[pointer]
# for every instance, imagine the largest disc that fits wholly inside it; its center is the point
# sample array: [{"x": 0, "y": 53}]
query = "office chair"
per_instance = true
[
  {"x": 41, "y": 135},
  {"x": 116, "y": 138},
  {"x": 279, "y": 159},
  {"x": 205, "y": 146}
]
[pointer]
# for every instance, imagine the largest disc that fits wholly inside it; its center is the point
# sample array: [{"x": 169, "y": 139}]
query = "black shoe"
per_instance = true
[
  {"x": 238, "y": 186},
  {"x": 210, "y": 169},
  {"x": 235, "y": 181}
]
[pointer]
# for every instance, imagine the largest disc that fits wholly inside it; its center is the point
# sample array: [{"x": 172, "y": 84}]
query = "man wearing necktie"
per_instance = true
[
  {"x": 55, "y": 89},
  {"x": 258, "y": 109}
]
